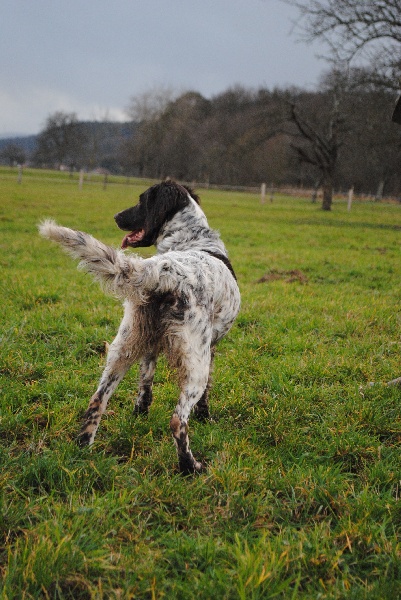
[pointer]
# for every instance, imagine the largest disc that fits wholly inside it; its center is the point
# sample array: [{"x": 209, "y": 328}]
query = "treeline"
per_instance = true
[
  {"x": 65, "y": 142},
  {"x": 339, "y": 137},
  {"x": 78, "y": 144}
]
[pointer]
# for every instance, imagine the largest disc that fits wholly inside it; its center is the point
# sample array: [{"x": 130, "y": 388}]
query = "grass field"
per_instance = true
[{"x": 301, "y": 497}]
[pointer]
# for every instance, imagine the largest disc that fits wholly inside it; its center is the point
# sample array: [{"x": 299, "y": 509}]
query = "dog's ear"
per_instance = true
[{"x": 163, "y": 201}]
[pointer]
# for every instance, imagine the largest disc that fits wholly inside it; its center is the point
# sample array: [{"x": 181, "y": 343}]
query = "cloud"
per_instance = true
[
  {"x": 29, "y": 117},
  {"x": 92, "y": 57}
]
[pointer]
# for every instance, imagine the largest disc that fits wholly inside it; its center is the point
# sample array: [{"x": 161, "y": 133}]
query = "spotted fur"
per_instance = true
[{"x": 180, "y": 302}]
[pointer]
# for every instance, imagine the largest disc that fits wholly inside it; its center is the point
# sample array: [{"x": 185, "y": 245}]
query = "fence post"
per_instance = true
[
  {"x": 19, "y": 178},
  {"x": 81, "y": 178},
  {"x": 350, "y": 197},
  {"x": 271, "y": 193},
  {"x": 263, "y": 193}
]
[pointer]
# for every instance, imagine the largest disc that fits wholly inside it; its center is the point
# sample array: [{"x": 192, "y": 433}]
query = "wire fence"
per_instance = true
[{"x": 266, "y": 193}]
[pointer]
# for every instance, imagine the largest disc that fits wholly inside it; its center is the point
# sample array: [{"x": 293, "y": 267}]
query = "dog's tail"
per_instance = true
[{"x": 119, "y": 274}]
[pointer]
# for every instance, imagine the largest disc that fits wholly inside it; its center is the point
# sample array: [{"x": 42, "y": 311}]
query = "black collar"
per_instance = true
[{"x": 223, "y": 259}]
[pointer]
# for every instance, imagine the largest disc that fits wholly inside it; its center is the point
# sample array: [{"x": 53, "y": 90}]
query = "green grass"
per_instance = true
[{"x": 301, "y": 498}]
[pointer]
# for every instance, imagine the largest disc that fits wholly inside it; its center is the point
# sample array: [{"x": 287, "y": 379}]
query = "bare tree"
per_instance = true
[
  {"x": 318, "y": 145},
  {"x": 141, "y": 152},
  {"x": 62, "y": 141},
  {"x": 353, "y": 29},
  {"x": 13, "y": 154},
  {"x": 150, "y": 104}
]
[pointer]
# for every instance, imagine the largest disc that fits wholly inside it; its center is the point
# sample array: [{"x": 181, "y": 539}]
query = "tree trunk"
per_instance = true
[{"x": 327, "y": 186}]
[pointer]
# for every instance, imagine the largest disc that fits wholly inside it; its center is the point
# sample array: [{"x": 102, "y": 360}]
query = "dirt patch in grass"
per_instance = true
[{"x": 288, "y": 276}]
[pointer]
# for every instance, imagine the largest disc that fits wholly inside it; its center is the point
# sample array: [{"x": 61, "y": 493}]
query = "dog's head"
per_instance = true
[{"x": 156, "y": 206}]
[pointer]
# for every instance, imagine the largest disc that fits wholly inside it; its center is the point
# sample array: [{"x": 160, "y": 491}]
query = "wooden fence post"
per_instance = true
[
  {"x": 81, "y": 178},
  {"x": 350, "y": 197},
  {"x": 19, "y": 178},
  {"x": 263, "y": 193}
]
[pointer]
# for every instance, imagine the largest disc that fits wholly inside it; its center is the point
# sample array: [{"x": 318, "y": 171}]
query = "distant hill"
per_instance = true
[{"x": 27, "y": 142}]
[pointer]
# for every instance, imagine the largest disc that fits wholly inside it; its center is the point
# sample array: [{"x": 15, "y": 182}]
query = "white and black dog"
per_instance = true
[{"x": 180, "y": 302}]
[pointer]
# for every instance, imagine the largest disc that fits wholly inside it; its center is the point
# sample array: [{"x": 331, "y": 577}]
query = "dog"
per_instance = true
[{"x": 180, "y": 302}]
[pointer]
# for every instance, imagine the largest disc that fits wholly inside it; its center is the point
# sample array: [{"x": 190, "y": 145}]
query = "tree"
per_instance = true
[
  {"x": 151, "y": 104},
  {"x": 183, "y": 145},
  {"x": 241, "y": 135},
  {"x": 141, "y": 152},
  {"x": 357, "y": 28},
  {"x": 13, "y": 154},
  {"x": 62, "y": 141},
  {"x": 319, "y": 140}
]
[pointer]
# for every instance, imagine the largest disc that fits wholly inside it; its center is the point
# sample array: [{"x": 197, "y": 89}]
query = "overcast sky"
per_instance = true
[{"x": 91, "y": 56}]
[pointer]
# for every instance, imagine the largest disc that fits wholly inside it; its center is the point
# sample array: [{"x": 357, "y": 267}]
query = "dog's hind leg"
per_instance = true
[
  {"x": 201, "y": 409},
  {"x": 119, "y": 360},
  {"x": 194, "y": 384},
  {"x": 144, "y": 399}
]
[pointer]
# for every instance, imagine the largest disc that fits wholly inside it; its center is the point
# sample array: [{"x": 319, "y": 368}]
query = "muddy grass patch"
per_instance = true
[{"x": 291, "y": 276}]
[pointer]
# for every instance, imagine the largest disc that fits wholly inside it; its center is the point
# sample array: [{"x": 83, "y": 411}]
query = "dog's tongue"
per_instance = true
[{"x": 132, "y": 238}]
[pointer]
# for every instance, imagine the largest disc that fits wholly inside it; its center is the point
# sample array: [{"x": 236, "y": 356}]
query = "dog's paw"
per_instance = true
[
  {"x": 83, "y": 439},
  {"x": 189, "y": 467},
  {"x": 141, "y": 410}
]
